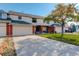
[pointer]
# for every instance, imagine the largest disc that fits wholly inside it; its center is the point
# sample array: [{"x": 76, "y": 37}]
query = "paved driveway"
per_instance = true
[{"x": 38, "y": 46}]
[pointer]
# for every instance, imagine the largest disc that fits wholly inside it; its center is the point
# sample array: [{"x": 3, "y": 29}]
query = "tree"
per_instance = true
[
  {"x": 67, "y": 10},
  {"x": 48, "y": 18}
]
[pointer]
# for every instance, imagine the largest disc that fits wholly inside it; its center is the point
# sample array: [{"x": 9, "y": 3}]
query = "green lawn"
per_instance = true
[{"x": 67, "y": 38}]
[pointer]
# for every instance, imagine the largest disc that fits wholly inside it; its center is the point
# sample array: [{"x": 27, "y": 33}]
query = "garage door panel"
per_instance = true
[
  {"x": 2, "y": 29},
  {"x": 22, "y": 30}
]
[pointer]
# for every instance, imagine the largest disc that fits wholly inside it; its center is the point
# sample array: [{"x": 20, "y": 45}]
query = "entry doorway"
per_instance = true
[{"x": 38, "y": 29}]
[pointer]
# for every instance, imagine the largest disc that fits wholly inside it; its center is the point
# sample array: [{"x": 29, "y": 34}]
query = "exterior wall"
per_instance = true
[
  {"x": 33, "y": 29},
  {"x": 40, "y": 21},
  {"x": 22, "y": 30},
  {"x": 58, "y": 29},
  {"x": 13, "y": 17},
  {"x": 2, "y": 29},
  {"x": 3, "y": 16},
  {"x": 44, "y": 28},
  {"x": 27, "y": 19},
  {"x": 51, "y": 22}
]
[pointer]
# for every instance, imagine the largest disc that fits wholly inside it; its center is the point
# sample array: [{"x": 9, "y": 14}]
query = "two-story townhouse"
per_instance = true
[
  {"x": 16, "y": 23},
  {"x": 38, "y": 25}
]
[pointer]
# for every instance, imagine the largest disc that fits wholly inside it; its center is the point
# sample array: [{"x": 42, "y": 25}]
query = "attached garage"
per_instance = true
[
  {"x": 2, "y": 29},
  {"x": 7, "y": 29},
  {"x": 20, "y": 29}
]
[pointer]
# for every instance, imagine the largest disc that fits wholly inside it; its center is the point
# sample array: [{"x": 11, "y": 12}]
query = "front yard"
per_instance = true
[{"x": 67, "y": 38}]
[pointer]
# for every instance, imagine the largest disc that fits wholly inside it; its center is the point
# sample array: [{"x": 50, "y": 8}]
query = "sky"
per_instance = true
[{"x": 41, "y": 9}]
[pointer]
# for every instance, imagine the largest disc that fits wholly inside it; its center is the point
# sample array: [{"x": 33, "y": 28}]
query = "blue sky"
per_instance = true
[{"x": 42, "y": 9}]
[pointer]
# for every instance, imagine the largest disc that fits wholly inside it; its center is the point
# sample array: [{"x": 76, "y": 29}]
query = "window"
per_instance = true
[
  {"x": 34, "y": 20},
  {"x": 78, "y": 26},
  {"x": 19, "y": 17},
  {"x": 0, "y": 15},
  {"x": 8, "y": 16}
]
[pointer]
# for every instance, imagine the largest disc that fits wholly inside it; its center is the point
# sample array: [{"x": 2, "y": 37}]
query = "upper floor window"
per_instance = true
[
  {"x": 0, "y": 15},
  {"x": 19, "y": 17},
  {"x": 34, "y": 20},
  {"x": 8, "y": 15}
]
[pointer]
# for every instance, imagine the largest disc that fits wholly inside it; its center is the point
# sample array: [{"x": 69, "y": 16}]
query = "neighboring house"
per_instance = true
[
  {"x": 58, "y": 28},
  {"x": 68, "y": 27},
  {"x": 74, "y": 26},
  {"x": 16, "y": 23}
]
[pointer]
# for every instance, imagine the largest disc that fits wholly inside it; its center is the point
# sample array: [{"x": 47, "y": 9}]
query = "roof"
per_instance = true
[
  {"x": 42, "y": 24},
  {"x": 15, "y": 21},
  {"x": 5, "y": 19},
  {"x": 25, "y": 15},
  {"x": 19, "y": 22},
  {"x": 2, "y": 11},
  {"x": 56, "y": 24}
]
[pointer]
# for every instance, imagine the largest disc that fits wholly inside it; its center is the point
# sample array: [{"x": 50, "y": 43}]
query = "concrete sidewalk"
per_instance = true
[{"x": 38, "y": 46}]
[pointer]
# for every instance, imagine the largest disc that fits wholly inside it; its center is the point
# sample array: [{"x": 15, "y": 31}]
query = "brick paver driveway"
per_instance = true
[{"x": 38, "y": 46}]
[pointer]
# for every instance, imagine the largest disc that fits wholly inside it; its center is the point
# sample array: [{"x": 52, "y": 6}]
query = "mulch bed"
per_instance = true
[{"x": 7, "y": 47}]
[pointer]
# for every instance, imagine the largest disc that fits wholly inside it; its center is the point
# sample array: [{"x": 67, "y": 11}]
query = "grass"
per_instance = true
[{"x": 67, "y": 38}]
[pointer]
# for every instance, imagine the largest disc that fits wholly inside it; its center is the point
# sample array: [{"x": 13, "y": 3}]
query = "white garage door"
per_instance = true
[
  {"x": 22, "y": 30},
  {"x": 2, "y": 29},
  {"x": 58, "y": 29}
]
